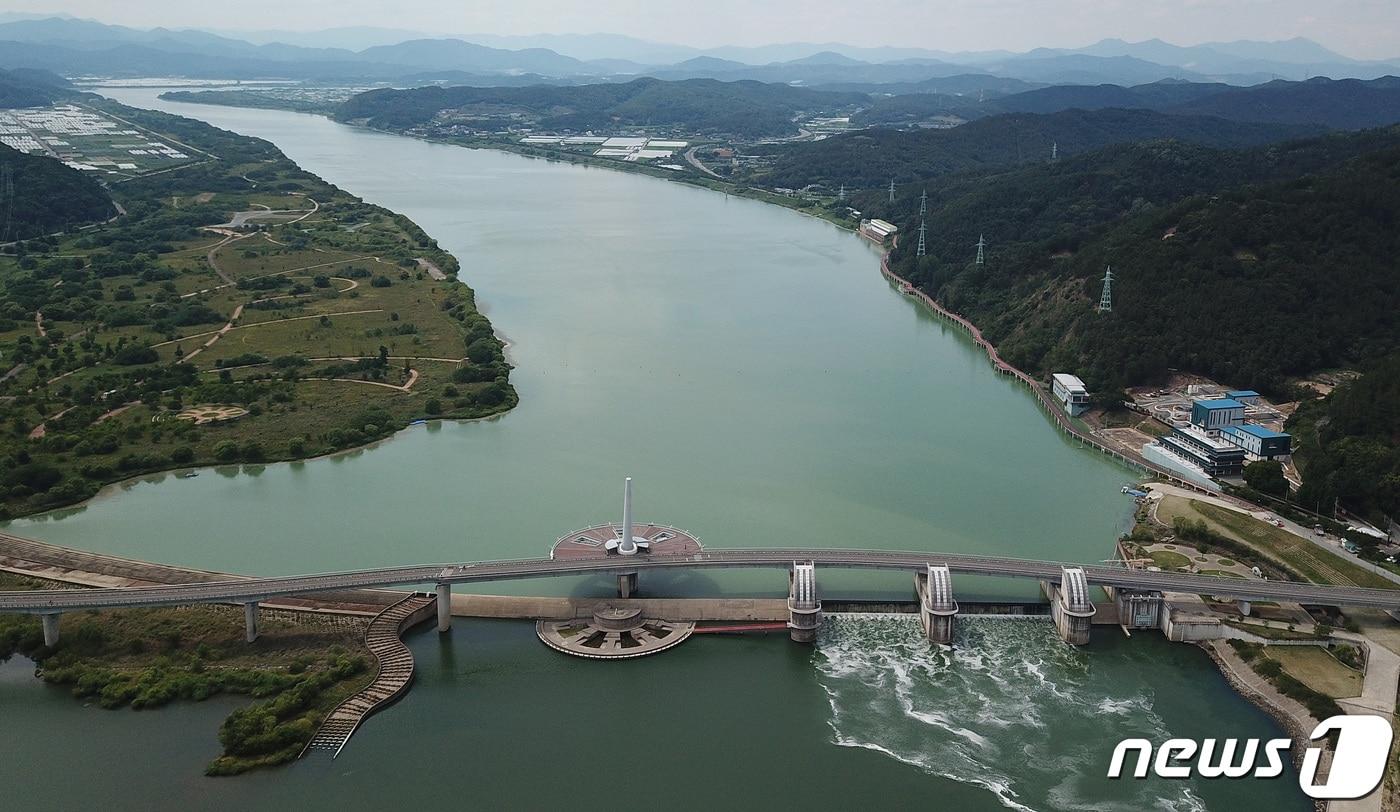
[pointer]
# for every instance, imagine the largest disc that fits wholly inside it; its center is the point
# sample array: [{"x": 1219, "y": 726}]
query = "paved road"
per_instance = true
[{"x": 39, "y": 602}]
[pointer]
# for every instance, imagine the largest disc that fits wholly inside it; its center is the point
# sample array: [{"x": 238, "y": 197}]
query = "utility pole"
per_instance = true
[
  {"x": 922, "y": 229},
  {"x": 1106, "y": 300},
  {"x": 981, "y": 249}
]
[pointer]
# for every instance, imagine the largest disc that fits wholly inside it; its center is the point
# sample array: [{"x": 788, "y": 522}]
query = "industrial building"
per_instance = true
[
  {"x": 1214, "y": 415},
  {"x": 1070, "y": 392},
  {"x": 1213, "y": 455},
  {"x": 1248, "y": 397},
  {"x": 878, "y": 230},
  {"x": 1258, "y": 442}
]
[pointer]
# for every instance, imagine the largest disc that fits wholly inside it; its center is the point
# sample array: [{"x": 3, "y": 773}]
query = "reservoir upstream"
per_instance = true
[{"x": 766, "y": 387}]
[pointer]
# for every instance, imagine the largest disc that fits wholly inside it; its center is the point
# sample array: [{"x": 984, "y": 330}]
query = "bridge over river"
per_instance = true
[{"x": 1066, "y": 583}]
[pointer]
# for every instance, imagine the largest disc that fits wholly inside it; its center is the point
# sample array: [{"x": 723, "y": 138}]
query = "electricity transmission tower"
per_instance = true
[
  {"x": 891, "y": 190},
  {"x": 922, "y": 229},
  {"x": 841, "y": 194},
  {"x": 1054, "y": 151},
  {"x": 981, "y": 249},
  {"x": 923, "y": 204},
  {"x": 1106, "y": 300}
]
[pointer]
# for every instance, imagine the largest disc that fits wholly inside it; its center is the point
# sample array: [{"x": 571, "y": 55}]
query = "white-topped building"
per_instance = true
[{"x": 1070, "y": 392}]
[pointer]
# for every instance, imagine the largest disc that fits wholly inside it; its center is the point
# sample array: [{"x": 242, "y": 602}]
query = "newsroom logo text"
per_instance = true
[{"x": 1358, "y": 763}]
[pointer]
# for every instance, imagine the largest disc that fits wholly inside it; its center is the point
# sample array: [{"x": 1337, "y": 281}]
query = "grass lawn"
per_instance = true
[
  {"x": 1168, "y": 560},
  {"x": 1298, "y": 554},
  {"x": 1315, "y": 667}
]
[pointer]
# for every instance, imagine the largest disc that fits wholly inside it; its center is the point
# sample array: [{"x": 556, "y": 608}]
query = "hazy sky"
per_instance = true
[{"x": 1359, "y": 28}]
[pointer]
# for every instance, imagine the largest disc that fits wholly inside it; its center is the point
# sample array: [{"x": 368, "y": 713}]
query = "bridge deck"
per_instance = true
[{"x": 260, "y": 589}]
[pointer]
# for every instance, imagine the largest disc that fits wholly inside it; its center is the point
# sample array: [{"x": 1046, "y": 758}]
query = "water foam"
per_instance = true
[{"x": 1009, "y": 708}]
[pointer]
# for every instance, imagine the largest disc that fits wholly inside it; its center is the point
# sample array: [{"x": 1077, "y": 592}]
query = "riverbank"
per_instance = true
[
  {"x": 108, "y": 391},
  {"x": 300, "y": 667}
]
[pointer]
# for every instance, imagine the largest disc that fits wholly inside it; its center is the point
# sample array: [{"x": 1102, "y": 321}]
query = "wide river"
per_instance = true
[{"x": 763, "y": 384}]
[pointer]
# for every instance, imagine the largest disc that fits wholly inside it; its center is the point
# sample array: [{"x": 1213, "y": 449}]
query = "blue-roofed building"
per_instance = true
[
  {"x": 1214, "y": 415},
  {"x": 1258, "y": 442},
  {"x": 1248, "y": 397},
  {"x": 1204, "y": 450}
]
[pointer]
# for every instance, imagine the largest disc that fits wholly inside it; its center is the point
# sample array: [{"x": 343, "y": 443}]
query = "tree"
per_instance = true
[
  {"x": 226, "y": 451},
  {"x": 1266, "y": 476}
]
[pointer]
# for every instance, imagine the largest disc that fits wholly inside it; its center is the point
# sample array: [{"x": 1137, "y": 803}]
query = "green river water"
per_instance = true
[{"x": 763, "y": 384}]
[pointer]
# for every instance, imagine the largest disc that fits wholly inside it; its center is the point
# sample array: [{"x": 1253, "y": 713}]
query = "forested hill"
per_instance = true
[
  {"x": 870, "y": 158},
  {"x": 1348, "y": 444},
  {"x": 744, "y": 108},
  {"x": 30, "y": 88},
  {"x": 41, "y": 195},
  {"x": 1248, "y": 266}
]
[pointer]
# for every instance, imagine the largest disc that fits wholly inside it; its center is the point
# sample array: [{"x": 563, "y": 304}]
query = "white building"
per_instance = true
[
  {"x": 1070, "y": 392},
  {"x": 878, "y": 230}
]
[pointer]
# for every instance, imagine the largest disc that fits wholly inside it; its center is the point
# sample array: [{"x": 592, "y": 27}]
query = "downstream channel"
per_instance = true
[{"x": 765, "y": 386}]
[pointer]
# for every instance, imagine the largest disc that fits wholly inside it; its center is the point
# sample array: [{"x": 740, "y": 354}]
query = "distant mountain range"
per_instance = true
[{"x": 72, "y": 47}]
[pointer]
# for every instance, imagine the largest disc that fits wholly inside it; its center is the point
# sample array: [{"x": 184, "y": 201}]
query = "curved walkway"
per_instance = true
[{"x": 393, "y": 674}]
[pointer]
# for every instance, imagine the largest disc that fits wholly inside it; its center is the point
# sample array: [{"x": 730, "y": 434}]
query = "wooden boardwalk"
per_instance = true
[
  {"x": 391, "y": 680},
  {"x": 1042, "y": 396}
]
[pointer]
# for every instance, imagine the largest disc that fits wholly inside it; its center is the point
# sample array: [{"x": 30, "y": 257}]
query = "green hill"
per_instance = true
[
  {"x": 1348, "y": 444},
  {"x": 40, "y": 195},
  {"x": 1249, "y": 266},
  {"x": 869, "y": 158},
  {"x": 695, "y": 105}
]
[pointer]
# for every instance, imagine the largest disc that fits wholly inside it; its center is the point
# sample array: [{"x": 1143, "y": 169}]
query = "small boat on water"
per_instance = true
[{"x": 189, "y": 475}]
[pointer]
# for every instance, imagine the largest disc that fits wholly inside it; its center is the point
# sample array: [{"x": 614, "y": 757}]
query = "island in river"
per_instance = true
[{"x": 241, "y": 309}]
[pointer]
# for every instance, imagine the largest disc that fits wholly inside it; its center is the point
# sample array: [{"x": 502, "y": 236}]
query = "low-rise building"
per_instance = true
[
  {"x": 1070, "y": 392},
  {"x": 1248, "y": 397},
  {"x": 1258, "y": 442},
  {"x": 1214, "y": 415},
  {"x": 1202, "y": 449},
  {"x": 878, "y": 230}
]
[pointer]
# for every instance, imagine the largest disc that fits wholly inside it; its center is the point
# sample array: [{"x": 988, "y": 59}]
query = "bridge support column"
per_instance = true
[
  {"x": 804, "y": 607},
  {"x": 1070, "y": 606},
  {"x": 1244, "y": 607},
  {"x": 50, "y": 629},
  {"x": 444, "y": 607},
  {"x": 937, "y": 609},
  {"x": 626, "y": 584},
  {"x": 250, "y": 621}
]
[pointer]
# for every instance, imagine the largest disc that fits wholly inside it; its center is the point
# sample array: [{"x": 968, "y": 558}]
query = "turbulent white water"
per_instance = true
[{"x": 1010, "y": 708}]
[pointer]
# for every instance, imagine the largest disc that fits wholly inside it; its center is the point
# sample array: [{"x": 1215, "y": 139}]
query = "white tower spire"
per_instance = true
[{"x": 628, "y": 545}]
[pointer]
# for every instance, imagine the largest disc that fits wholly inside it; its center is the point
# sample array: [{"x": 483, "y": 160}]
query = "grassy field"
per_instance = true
[
  {"x": 1168, "y": 560},
  {"x": 1296, "y": 554},
  {"x": 1315, "y": 667},
  {"x": 324, "y": 333}
]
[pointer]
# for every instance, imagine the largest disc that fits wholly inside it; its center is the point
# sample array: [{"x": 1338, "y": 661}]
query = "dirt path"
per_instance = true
[
  {"x": 214, "y": 263},
  {"x": 39, "y": 323},
  {"x": 237, "y": 311}
]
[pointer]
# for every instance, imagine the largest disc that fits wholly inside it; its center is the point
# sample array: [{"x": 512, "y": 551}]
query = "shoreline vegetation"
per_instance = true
[
  {"x": 350, "y": 325},
  {"x": 300, "y": 668}
]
